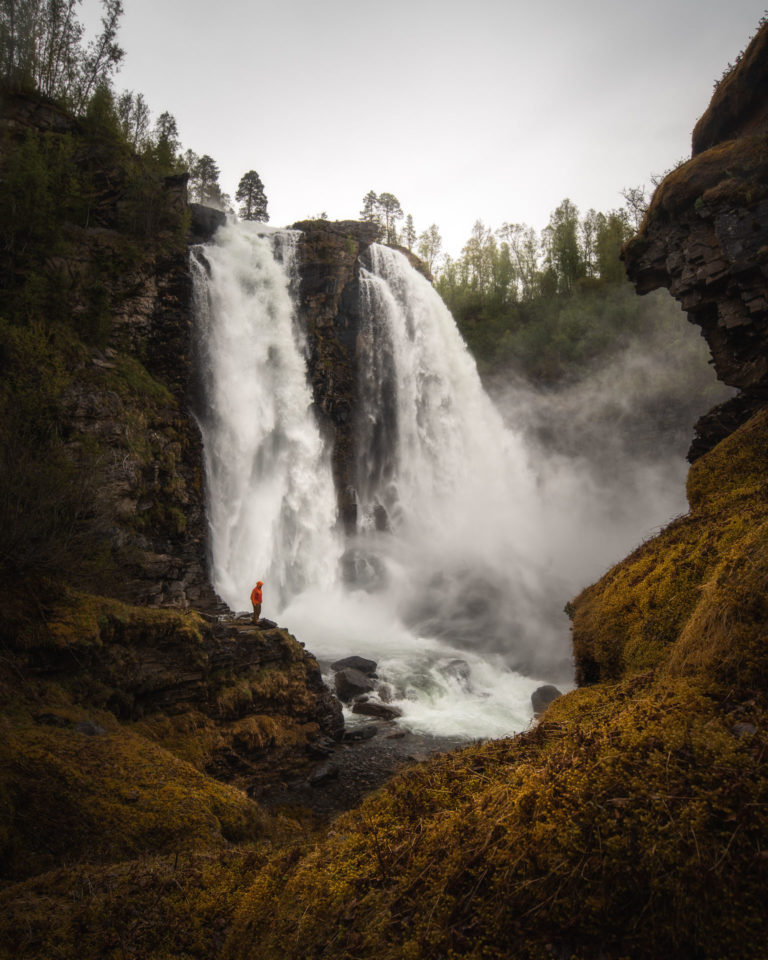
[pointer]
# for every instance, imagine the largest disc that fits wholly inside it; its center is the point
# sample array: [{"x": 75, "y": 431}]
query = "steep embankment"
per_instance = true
[
  {"x": 634, "y": 820},
  {"x": 135, "y": 731}
]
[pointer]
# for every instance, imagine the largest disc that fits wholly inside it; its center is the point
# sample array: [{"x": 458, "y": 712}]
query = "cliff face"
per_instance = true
[
  {"x": 705, "y": 239},
  {"x": 115, "y": 266}
]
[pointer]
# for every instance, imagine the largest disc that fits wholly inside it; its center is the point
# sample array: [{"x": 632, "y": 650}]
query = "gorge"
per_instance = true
[{"x": 296, "y": 405}]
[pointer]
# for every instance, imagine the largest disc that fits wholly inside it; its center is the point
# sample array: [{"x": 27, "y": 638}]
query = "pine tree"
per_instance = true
[
  {"x": 370, "y": 211},
  {"x": 409, "y": 233},
  {"x": 250, "y": 193},
  {"x": 204, "y": 180}
]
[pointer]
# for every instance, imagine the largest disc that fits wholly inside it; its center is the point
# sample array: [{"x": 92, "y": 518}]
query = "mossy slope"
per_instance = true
[{"x": 632, "y": 822}]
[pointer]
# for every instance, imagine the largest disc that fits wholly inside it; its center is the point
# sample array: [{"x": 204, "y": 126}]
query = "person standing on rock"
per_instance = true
[{"x": 256, "y": 600}]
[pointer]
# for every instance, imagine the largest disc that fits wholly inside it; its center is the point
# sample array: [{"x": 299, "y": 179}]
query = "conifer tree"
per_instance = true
[
  {"x": 370, "y": 211},
  {"x": 409, "y": 233},
  {"x": 391, "y": 211},
  {"x": 250, "y": 194},
  {"x": 204, "y": 180}
]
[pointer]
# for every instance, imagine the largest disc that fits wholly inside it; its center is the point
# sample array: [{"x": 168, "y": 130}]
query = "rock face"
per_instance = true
[
  {"x": 705, "y": 238},
  {"x": 122, "y": 282},
  {"x": 331, "y": 254},
  {"x": 255, "y": 696},
  {"x": 329, "y": 303}
]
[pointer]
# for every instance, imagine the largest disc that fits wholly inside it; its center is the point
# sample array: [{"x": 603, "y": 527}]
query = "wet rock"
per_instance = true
[
  {"x": 321, "y": 748},
  {"x": 205, "y": 221},
  {"x": 363, "y": 732},
  {"x": 351, "y": 683},
  {"x": 459, "y": 671},
  {"x": 368, "y": 667},
  {"x": 542, "y": 697},
  {"x": 374, "y": 708},
  {"x": 323, "y": 774},
  {"x": 265, "y": 624}
]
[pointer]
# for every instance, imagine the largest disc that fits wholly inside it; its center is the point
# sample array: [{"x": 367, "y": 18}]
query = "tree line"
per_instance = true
[
  {"x": 547, "y": 304},
  {"x": 385, "y": 211},
  {"x": 43, "y": 52}
]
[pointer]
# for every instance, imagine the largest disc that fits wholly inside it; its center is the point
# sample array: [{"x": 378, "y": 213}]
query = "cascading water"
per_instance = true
[
  {"x": 270, "y": 499},
  {"x": 466, "y": 549}
]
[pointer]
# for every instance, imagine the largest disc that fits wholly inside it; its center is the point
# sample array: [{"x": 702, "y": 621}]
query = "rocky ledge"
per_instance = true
[{"x": 705, "y": 238}]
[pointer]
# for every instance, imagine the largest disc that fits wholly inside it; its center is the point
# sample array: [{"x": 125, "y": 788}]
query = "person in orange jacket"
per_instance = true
[{"x": 256, "y": 600}]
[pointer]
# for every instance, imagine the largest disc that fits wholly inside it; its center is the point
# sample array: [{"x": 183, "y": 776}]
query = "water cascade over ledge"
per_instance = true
[{"x": 466, "y": 549}]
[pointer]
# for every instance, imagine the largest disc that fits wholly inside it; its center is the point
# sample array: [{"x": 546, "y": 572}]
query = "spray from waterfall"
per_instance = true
[
  {"x": 270, "y": 499},
  {"x": 470, "y": 539}
]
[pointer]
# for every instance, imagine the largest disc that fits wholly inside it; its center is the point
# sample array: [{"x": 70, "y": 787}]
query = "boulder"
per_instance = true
[
  {"x": 351, "y": 683},
  {"x": 374, "y": 708},
  {"x": 205, "y": 221},
  {"x": 542, "y": 697},
  {"x": 363, "y": 732},
  {"x": 323, "y": 774},
  {"x": 459, "y": 671},
  {"x": 368, "y": 667}
]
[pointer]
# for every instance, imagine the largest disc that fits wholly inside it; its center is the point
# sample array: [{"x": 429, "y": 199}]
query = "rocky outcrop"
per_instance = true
[
  {"x": 120, "y": 272},
  {"x": 251, "y": 699},
  {"x": 329, "y": 303},
  {"x": 330, "y": 256},
  {"x": 705, "y": 238}
]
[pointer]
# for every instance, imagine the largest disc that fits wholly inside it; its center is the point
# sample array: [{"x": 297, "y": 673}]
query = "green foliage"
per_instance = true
[
  {"x": 42, "y": 50},
  {"x": 547, "y": 308}
]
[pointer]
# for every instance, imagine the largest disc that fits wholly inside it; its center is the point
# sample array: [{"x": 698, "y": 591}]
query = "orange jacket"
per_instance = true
[{"x": 256, "y": 593}]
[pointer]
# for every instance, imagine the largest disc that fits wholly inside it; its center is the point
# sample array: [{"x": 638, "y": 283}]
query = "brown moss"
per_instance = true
[
  {"x": 736, "y": 168},
  {"x": 107, "y": 796},
  {"x": 160, "y": 907},
  {"x": 632, "y": 618},
  {"x": 630, "y": 823}
]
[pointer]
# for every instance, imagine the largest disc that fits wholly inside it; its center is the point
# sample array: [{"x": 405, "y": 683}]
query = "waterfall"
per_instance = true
[
  {"x": 469, "y": 540},
  {"x": 270, "y": 499}
]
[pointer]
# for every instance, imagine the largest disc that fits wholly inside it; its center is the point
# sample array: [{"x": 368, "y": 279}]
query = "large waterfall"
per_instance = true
[
  {"x": 270, "y": 498},
  {"x": 467, "y": 548}
]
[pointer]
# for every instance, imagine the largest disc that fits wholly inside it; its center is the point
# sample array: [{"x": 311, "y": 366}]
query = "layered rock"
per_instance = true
[
  {"x": 331, "y": 255},
  {"x": 121, "y": 278},
  {"x": 241, "y": 700},
  {"x": 705, "y": 238}
]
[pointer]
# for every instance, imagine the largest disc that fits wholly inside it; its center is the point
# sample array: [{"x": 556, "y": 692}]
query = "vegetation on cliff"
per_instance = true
[{"x": 630, "y": 822}]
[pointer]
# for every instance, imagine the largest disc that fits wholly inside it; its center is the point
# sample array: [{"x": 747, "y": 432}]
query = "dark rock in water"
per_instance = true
[
  {"x": 368, "y": 667},
  {"x": 90, "y": 729},
  {"x": 458, "y": 670},
  {"x": 542, "y": 697},
  {"x": 350, "y": 683},
  {"x": 323, "y": 774},
  {"x": 205, "y": 221},
  {"x": 374, "y": 708},
  {"x": 265, "y": 624},
  {"x": 366, "y": 732},
  {"x": 322, "y": 747}
]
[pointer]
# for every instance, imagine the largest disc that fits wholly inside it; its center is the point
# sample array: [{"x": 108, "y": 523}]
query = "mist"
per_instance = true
[{"x": 479, "y": 518}]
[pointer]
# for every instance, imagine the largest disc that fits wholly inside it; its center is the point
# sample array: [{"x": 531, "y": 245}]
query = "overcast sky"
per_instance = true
[{"x": 490, "y": 109}]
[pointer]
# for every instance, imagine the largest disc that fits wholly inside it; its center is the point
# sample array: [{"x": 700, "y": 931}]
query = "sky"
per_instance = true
[{"x": 491, "y": 109}]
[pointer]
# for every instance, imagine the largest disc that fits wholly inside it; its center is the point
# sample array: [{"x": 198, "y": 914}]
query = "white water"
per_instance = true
[
  {"x": 466, "y": 548},
  {"x": 270, "y": 500}
]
